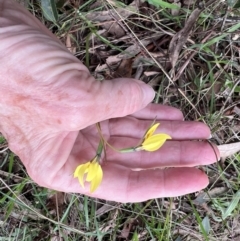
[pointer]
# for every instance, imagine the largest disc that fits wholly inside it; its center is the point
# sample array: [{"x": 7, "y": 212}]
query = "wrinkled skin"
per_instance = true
[{"x": 49, "y": 104}]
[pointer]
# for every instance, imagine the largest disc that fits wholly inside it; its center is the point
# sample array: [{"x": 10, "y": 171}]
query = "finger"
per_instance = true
[
  {"x": 171, "y": 154},
  {"x": 75, "y": 100},
  {"x": 123, "y": 185},
  {"x": 180, "y": 130},
  {"x": 124, "y": 97},
  {"x": 160, "y": 112},
  {"x": 98, "y": 101},
  {"x": 173, "y": 182}
]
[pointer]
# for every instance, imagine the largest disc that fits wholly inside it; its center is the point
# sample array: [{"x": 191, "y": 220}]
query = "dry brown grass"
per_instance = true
[{"x": 190, "y": 57}]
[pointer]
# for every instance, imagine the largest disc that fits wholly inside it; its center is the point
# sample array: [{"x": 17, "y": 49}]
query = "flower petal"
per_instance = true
[
  {"x": 154, "y": 142},
  {"x": 151, "y": 130},
  {"x": 92, "y": 172},
  {"x": 75, "y": 174},
  {"x": 97, "y": 180},
  {"x": 80, "y": 171}
]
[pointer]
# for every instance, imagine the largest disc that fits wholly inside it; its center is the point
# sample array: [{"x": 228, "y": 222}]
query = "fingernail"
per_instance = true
[
  {"x": 210, "y": 137},
  {"x": 148, "y": 93}
]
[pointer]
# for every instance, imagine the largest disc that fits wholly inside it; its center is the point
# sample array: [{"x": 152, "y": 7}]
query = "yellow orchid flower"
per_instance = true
[
  {"x": 94, "y": 173},
  {"x": 152, "y": 142},
  {"x": 149, "y": 142},
  {"x": 92, "y": 169}
]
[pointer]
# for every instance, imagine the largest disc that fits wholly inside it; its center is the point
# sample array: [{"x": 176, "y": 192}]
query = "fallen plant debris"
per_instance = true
[
  {"x": 180, "y": 38},
  {"x": 228, "y": 150},
  {"x": 195, "y": 47}
]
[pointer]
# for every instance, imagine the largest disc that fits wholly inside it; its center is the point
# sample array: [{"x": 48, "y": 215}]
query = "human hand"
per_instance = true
[{"x": 49, "y": 106}]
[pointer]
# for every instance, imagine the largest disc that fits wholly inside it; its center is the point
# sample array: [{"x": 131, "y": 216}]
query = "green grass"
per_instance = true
[{"x": 204, "y": 90}]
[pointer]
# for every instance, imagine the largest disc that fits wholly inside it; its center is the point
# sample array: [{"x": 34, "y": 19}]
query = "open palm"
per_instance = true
[
  {"x": 134, "y": 176},
  {"x": 49, "y": 106}
]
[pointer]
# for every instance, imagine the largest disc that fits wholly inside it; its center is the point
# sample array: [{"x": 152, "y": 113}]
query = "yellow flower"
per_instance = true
[
  {"x": 94, "y": 173},
  {"x": 152, "y": 142}
]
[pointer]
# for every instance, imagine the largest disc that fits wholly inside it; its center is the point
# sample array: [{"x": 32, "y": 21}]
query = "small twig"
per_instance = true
[
  {"x": 119, "y": 22},
  {"x": 5, "y": 149},
  {"x": 103, "y": 139},
  {"x": 228, "y": 19},
  {"x": 155, "y": 61},
  {"x": 183, "y": 67},
  {"x": 36, "y": 212},
  {"x": 222, "y": 26},
  {"x": 139, "y": 71},
  {"x": 187, "y": 233},
  {"x": 7, "y": 174}
]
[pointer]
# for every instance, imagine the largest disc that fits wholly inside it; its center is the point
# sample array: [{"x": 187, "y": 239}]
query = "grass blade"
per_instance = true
[
  {"x": 233, "y": 204},
  {"x": 163, "y": 4}
]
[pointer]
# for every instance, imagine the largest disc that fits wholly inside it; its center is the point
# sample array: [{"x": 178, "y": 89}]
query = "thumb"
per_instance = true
[
  {"x": 121, "y": 97},
  {"x": 105, "y": 100}
]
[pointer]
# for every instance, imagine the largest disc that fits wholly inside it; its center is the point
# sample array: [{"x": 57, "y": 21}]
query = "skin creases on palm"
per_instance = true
[
  {"x": 49, "y": 104},
  {"x": 47, "y": 96},
  {"x": 41, "y": 87}
]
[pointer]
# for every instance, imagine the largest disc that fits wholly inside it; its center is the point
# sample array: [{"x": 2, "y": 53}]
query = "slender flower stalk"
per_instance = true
[{"x": 92, "y": 169}]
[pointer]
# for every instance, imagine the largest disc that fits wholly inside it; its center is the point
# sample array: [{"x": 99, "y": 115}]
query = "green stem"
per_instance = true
[
  {"x": 100, "y": 148},
  {"x": 103, "y": 141},
  {"x": 127, "y": 150},
  {"x": 106, "y": 142}
]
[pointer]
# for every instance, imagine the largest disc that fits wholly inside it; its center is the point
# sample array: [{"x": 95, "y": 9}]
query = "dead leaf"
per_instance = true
[
  {"x": 150, "y": 73},
  {"x": 69, "y": 46},
  {"x": 169, "y": 205},
  {"x": 128, "y": 53},
  {"x": 136, "y": 48},
  {"x": 111, "y": 18},
  {"x": 203, "y": 197},
  {"x": 213, "y": 89},
  {"x": 107, "y": 207},
  {"x": 127, "y": 228},
  {"x": 111, "y": 60},
  {"x": 236, "y": 110},
  {"x": 111, "y": 223},
  {"x": 55, "y": 202},
  {"x": 175, "y": 12},
  {"x": 124, "y": 69},
  {"x": 227, "y": 150},
  {"x": 180, "y": 38}
]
